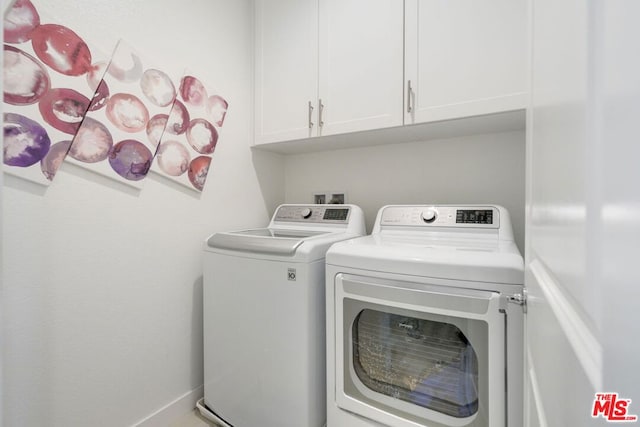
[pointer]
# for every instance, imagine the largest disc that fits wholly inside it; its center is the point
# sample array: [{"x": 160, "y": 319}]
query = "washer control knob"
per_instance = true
[
  {"x": 306, "y": 213},
  {"x": 429, "y": 215}
]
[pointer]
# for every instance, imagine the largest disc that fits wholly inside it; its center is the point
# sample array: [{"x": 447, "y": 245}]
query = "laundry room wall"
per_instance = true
[
  {"x": 583, "y": 222},
  {"x": 102, "y": 284},
  {"x": 488, "y": 168}
]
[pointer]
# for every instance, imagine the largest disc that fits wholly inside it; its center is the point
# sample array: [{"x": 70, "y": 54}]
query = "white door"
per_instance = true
[
  {"x": 286, "y": 69},
  {"x": 361, "y": 64},
  {"x": 583, "y": 219},
  {"x": 409, "y": 354},
  {"x": 464, "y": 58}
]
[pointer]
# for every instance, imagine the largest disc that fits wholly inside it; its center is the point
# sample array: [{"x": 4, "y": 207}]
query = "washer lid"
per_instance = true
[
  {"x": 476, "y": 260},
  {"x": 263, "y": 240}
]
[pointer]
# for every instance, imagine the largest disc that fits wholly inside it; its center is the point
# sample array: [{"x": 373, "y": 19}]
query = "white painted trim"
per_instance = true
[
  {"x": 173, "y": 410},
  {"x": 205, "y": 412},
  {"x": 537, "y": 397},
  {"x": 585, "y": 345}
]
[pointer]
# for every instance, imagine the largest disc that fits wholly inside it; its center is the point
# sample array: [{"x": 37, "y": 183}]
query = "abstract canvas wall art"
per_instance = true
[
  {"x": 47, "y": 75},
  {"x": 193, "y": 129},
  {"x": 64, "y": 100},
  {"x": 119, "y": 135}
]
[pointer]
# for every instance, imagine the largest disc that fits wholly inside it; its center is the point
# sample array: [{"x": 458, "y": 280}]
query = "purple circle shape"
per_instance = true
[
  {"x": 92, "y": 143},
  {"x": 25, "y": 79},
  {"x": 52, "y": 161},
  {"x": 202, "y": 136},
  {"x": 25, "y": 141},
  {"x": 130, "y": 159}
]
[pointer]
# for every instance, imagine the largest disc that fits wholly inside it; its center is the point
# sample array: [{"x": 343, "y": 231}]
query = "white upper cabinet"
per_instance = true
[
  {"x": 333, "y": 67},
  {"x": 464, "y": 58},
  {"x": 361, "y": 65},
  {"x": 325, "y": 67},
  {"x": 286, "y": 69}
]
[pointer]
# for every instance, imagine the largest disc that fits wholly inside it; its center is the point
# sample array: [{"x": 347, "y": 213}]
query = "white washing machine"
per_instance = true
[
  {"x": 425, "y": 321},
  {"x": 264, "y": 325}
]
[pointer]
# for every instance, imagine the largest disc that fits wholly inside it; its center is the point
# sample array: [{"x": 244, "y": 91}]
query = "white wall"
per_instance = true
[
  {"x": 563, "y": 301},
  {"x": 583, "y": 226},
  {"x": 102, "y": 285},
  {"x": 474, "y": 169},
  {"x": 619, "y": 196}
]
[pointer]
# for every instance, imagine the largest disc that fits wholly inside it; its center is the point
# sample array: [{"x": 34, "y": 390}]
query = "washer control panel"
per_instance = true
[
  {"x": 465, "y": 216},
  {"x": 333, "y": 214}
]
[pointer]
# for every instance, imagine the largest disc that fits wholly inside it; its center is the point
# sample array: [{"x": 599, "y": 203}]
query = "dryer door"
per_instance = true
[{"x": 412, "y": 354}]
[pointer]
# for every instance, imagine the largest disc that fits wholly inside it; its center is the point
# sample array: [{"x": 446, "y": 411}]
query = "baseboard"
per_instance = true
[{"x": 174, "y": 410}]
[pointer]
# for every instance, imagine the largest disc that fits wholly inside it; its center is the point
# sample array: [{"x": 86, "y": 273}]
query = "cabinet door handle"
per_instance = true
[
  {"x": 320, "y": 109},
  {"x": 310, "y": 115},
  {"x": 409, "y": 93}
]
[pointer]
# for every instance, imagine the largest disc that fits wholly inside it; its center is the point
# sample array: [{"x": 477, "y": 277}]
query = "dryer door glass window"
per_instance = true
[{"x": 424, "y": 362}]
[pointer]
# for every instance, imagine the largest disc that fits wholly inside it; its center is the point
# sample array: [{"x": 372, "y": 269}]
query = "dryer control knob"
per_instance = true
[
  {"x": 306, "y": 213},
  {"x": 429, "y": 215}
]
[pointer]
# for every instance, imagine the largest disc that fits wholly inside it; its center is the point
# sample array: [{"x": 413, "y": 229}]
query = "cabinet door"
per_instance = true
[
  {"x": 360, "y": 64},
  {"x": 465, "y": 57},
  {"x": 286, "y": 69}
]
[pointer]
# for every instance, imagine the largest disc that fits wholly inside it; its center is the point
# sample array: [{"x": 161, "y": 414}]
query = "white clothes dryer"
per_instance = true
[
  {"x": 264, "y": 325},
  {"x": 425, "y": 321}
]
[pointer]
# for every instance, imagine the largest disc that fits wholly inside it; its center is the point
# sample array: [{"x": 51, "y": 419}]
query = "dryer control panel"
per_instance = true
[
  {"x": 331, "y": 214},
  {"x": 464, "y": 216}
]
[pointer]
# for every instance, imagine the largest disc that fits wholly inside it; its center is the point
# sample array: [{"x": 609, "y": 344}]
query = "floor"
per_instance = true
[{"x": 193, "y": 419}]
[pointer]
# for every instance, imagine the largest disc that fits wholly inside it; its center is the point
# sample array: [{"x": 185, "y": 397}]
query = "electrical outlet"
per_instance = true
[
  {"x": 319, "y": 198},
  {"x": 330, "y": 197},
  {"x": 337, "y": 199}
]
